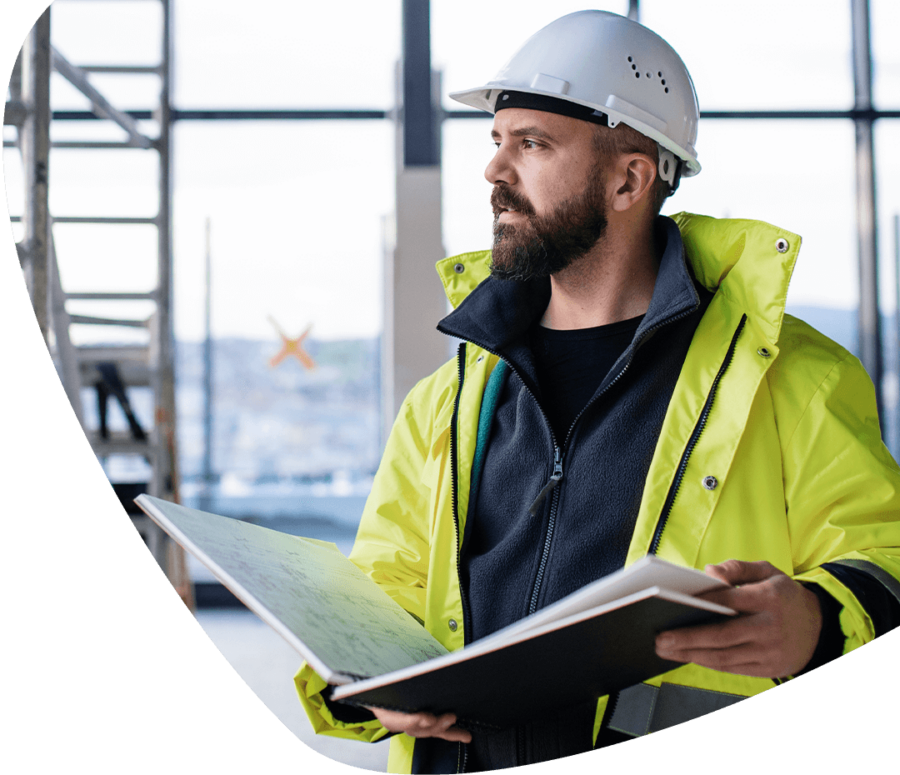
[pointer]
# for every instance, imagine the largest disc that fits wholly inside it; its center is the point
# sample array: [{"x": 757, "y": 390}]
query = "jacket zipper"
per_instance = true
[
  {"x": 454, "y": 476},
  {"x": 462, "y": 754},
  {"x": 692, "y": 442}
]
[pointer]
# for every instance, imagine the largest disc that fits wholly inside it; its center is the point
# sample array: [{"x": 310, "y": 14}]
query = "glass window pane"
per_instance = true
[
  {"x": 766, "y": 54},
  {"x": 297, "y": 211},
  {"x": 885, "y": 20},
  {"x": 471, "y": 53},
  {"x": 107, "y": 257},
  {"x": 286, "y": 55},
  {"x": 776, "y": 171},
  {"x": 120, "y": 182},
  {"x": 887, "y": 154},
  {"x": 98, "y": 32},
  {"x": 887, "y": 149},
  {"x": 467, "y": 148}
]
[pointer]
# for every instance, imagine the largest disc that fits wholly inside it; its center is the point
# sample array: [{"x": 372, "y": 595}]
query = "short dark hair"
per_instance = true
[{"x": 623, "y": 139}]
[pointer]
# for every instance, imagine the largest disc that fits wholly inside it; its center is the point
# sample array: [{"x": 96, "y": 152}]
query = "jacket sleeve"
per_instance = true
[
  {"x": 842, "y": 490},
  {"x": 392, "y": 542},
  {"x": 312, "y": 689}
]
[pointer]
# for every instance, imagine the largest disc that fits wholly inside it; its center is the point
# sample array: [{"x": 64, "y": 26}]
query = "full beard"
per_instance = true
[{"x": 544, "y": 245}]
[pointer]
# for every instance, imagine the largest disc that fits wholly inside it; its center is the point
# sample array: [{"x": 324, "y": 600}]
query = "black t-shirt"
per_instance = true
[{"x": 572, "y": 364}]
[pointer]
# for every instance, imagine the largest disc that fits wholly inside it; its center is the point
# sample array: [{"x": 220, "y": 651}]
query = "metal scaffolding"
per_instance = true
[{"x": 110, "y": 370}]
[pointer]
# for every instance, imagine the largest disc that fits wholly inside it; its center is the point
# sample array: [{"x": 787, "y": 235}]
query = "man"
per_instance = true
[{"x": 627, "y": 384}]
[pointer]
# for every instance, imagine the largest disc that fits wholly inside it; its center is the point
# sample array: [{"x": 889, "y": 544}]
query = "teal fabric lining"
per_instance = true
[{"x": 488, "y": 406}]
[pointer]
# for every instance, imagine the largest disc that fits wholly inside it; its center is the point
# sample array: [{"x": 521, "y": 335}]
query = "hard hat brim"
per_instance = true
[{"x": 484, "y": 98}]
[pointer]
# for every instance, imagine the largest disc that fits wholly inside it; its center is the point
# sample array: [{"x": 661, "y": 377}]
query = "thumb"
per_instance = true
[{"x": 736, "y": 572}]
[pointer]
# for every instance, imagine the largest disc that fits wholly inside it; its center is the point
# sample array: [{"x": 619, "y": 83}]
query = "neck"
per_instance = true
[{"x": 612, "y": 282}]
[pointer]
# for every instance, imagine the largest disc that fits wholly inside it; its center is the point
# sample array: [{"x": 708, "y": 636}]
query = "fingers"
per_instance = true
[
  {"x": 749, "y": 597},
  {"x": 744, "y": 659},
  {"x": 775, "y": 634},
  {"x": 740, "y": 572},
  {"x": 423, "y": 725},
  {"x": 709, "y": 636},
  {"x": 759, "y": 659},
  {"x": 726, "y": 646}
]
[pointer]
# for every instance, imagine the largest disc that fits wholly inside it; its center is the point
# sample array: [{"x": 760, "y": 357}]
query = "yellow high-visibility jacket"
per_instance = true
[{"x": 803, "y": 476}]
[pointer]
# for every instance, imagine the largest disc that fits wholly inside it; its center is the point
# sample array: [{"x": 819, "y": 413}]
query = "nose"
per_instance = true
[{"x": 499, "y": 169}]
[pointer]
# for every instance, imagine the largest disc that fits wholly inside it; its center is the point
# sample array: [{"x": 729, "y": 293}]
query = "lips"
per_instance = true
[{"x": 503, "y": 200}]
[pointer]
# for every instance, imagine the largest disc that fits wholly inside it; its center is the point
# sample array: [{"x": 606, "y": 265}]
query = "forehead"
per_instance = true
[{"x": 550, "y": 126}]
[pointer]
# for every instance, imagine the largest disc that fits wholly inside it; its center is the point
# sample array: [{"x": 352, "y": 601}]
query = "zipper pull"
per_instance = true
[{"x": 554, "y": 479}]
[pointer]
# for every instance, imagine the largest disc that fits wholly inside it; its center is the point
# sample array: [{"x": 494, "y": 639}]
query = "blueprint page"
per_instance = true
[{"x": 318, "y": 600}]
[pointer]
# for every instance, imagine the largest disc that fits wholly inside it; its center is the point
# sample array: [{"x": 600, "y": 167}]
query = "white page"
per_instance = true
[
  {"x": 306, "y": 590},
  {"x": 649, "y": 571}
]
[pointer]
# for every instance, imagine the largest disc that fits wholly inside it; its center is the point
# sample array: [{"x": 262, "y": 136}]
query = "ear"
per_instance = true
[{"x": 631, "y": 181}]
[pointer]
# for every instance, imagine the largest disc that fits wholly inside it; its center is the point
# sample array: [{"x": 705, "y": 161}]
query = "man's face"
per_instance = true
[{"x": 548, "y": 196}]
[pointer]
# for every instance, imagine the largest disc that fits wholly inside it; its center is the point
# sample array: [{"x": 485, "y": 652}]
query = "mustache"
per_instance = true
[{"x": 503, "y": 198}]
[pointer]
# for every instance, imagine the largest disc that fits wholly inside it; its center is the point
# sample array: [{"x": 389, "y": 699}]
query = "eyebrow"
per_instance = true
[{"x": 528, "y": 130}]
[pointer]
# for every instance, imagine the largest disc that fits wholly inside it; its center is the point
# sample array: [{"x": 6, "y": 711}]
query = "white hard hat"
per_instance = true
[{"x": 613, "y": 65}]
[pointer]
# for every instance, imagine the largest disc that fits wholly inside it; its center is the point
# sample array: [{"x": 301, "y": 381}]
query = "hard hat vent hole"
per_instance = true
[
  {"x": 634, "y": 67},
  {"x": 663, "y": 81},
  {"x": 637, "y": 75},
  {"x": 630, "y": 59}
]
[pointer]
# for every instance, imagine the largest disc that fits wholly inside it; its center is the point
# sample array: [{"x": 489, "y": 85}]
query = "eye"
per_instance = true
[{"x": 530, "y": 144}]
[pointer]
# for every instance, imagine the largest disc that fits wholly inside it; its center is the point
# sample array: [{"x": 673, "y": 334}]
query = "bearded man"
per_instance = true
[{"x": 627, "y": 384}]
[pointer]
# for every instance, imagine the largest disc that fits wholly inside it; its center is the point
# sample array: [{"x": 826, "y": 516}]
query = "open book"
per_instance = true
[{"x": 595, "y": 641}]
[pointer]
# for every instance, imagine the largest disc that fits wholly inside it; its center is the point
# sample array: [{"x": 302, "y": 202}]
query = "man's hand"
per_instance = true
[
  {"x": 423, "y": 725},
  {"x": 774, "y": 634}
]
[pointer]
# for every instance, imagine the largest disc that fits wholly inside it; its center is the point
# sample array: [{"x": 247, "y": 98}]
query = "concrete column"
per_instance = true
[{"x": 414, "y": 299}]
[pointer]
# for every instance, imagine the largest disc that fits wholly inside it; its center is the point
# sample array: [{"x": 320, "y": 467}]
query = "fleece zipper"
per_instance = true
[{"x": 559, "y": 454}]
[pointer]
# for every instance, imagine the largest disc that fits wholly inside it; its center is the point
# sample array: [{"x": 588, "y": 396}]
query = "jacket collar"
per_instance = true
[
  {"x": 497, "y": 314},
  {"x": 749, "y": 261}
]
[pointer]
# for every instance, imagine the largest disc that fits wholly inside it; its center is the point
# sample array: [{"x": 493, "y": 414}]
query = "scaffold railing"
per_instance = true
[{"x": 109, "y": 369}]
